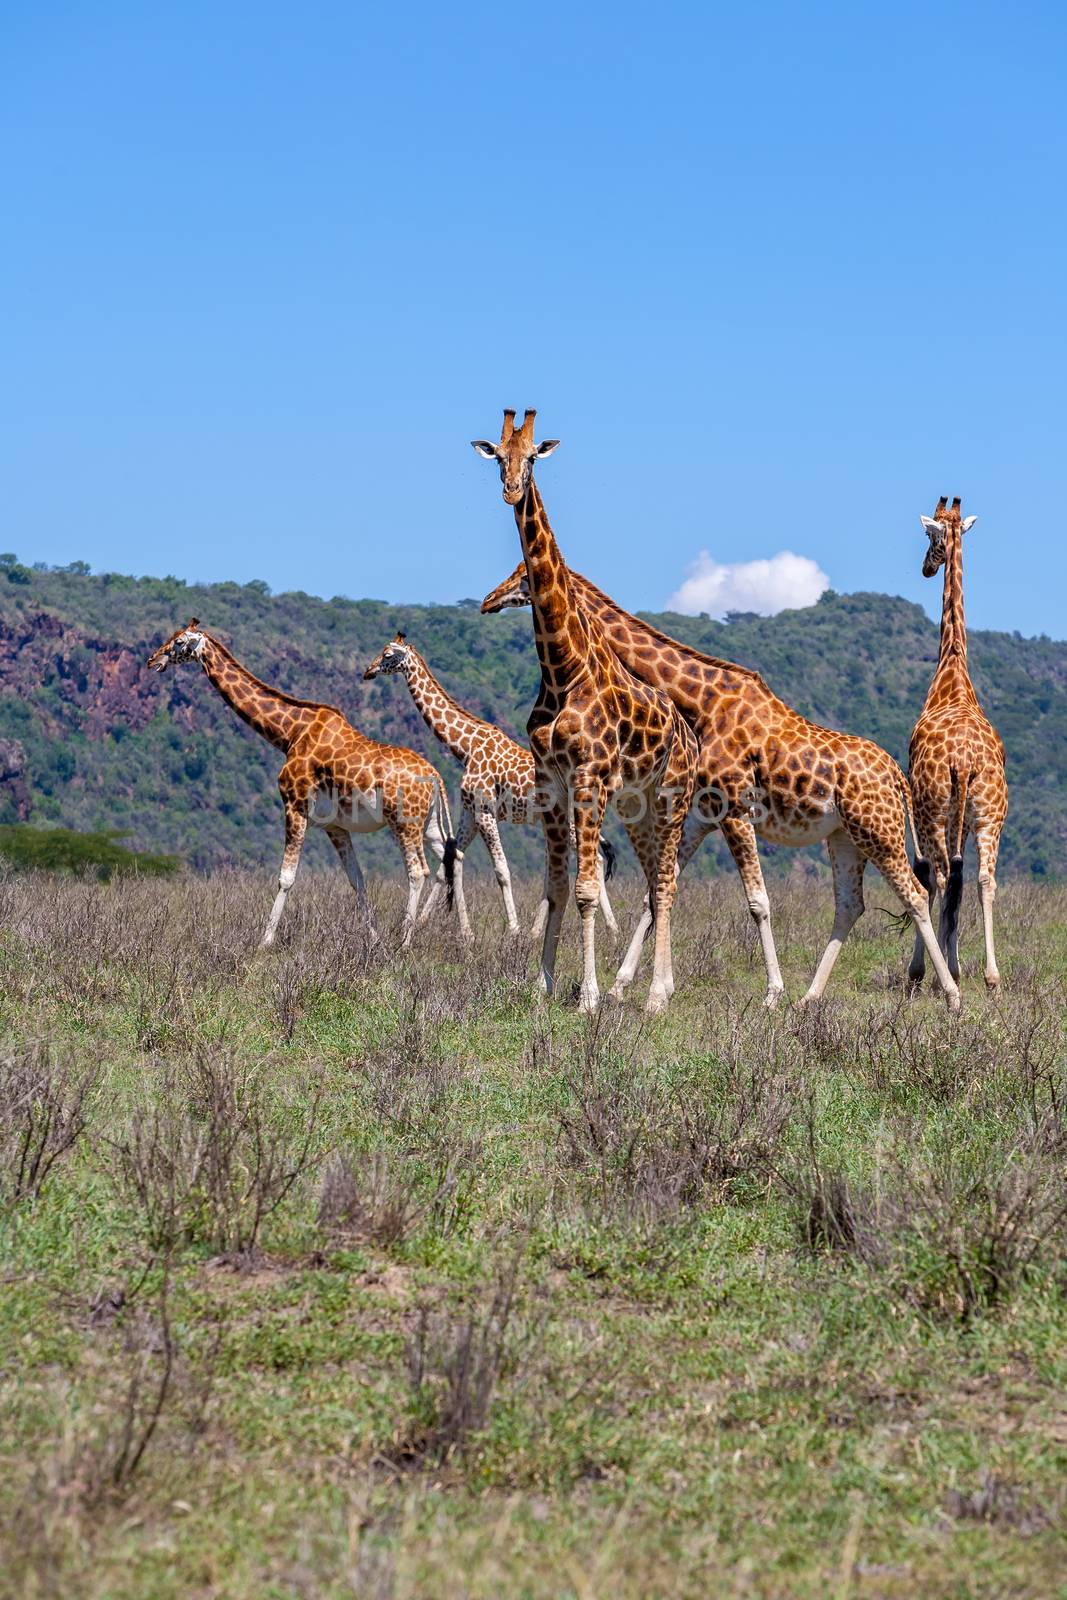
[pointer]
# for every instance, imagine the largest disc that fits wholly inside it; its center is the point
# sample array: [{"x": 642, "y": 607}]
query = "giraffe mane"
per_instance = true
[
  {"x": 278, "y": 694},
  {"x": 676, "y": 644}
]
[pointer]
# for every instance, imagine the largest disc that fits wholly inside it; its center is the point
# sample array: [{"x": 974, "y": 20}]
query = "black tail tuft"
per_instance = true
[
  {"x": 450, "y": 870},
  {"x": 608, "y": 851},
  {"x": 953, "y": 895}
]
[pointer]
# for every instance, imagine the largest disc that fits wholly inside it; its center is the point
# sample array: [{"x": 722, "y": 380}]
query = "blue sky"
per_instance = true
[{"x": 776, "y": 275}]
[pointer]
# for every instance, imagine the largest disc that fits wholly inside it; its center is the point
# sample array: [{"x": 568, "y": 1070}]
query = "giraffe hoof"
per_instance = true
[
  {"x": 589, "y": 1001},
  {"x": 771, "y": 998},
  {"x": 655, "y": 1005},
  {"x": 617, "y": 992},
  {"x": 992, "y": 983}
]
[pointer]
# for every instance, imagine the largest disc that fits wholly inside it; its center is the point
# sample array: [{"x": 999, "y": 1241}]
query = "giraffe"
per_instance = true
[
  {"x": 334, "y": 777},
  {"x": 956, "y": 762},
  {"x": 764, "y": 769},
  {"x": 498, "y": 782},
  {"x": 598, "y": 736}
]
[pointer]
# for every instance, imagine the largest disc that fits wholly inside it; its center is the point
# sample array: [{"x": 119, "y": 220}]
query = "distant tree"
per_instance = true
[
  {"x": 64, "y": 850},
  {"x": 80, "y": 569},
  {"x": 257, "y": 586},
  {"x": 19, "y": 574}
]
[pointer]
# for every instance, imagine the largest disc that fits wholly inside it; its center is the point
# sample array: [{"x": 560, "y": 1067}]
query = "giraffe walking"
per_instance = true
[
  {"x": 498, "y": 783},
  {"x": 334, "y": 777},
  {"x": 598, "y": 734},
  {"x": 764, "y": 769},
  {"x": 957, "y": 762}
]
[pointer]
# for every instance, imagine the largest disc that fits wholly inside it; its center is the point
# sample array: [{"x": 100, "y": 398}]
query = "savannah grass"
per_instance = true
[{"x": 341, "y": 1272}]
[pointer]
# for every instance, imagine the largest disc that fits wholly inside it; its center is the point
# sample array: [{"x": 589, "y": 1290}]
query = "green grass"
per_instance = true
[{"x": 463, "y": 1295}]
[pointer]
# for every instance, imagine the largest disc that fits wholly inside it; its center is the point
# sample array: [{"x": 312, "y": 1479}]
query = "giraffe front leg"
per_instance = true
[
  {"x": 740, "y": 838},
  {"x": 295, "y": 829},
  {"x": 916, "y": 901},
  {"x": 694, "y": 832},
  {"x": 588, "y": 816},
  {"x": 605, "y": 902},
  {"x": 409, "y": 837},
  {"x": 557, "y": 882},
  {"x": 487, "y": 827}
]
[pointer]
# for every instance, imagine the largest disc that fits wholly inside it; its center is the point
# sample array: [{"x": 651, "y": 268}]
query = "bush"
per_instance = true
[{"x": 64, "y": 850}]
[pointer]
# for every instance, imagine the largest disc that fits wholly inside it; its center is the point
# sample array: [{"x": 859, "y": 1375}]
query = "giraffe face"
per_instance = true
[
  {"x": 937, "y": 530},
  {"x": 394, "y": 658},
  {"x": 186, "y": 644},
  {"x": 515, "y": 454},
  {"x": 514, "y": 591}
]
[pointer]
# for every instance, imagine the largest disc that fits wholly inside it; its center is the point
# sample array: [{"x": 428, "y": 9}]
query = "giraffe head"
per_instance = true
[
  {"x": 514, "y": 591},
  {"x": 396, "y": 657},
  {"x": 185, "y": 644},
  {"x": 937, "y": 527},
  {"x": 515, "y": 454}
]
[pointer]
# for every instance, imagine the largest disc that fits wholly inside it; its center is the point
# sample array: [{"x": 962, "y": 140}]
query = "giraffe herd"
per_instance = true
[{"x": 676, "y": 742}]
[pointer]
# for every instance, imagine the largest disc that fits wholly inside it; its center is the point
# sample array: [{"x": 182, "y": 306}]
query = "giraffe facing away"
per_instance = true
[
  {"x": 334, "y": 777},
  {"x": 764, "y": 769},
  {"x": 598, "y": 734},
  {"x": 498, "y": 782},
  {"x": 957, "y": 761}
]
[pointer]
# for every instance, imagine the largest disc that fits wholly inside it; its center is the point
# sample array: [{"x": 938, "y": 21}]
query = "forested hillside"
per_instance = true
[{"x": 90, "y": 739}]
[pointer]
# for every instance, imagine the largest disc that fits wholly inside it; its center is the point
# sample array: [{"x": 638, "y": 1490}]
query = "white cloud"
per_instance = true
[{"x": 767, "y": 586}]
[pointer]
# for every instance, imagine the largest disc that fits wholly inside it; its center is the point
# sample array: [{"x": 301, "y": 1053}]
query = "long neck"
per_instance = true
[
  {"x": 688, "y": 676},
  {"x": 272, "y": 714},
  {"x": 560, "y": 629},
  {"x": 455, "y": 727},
  {"x": 953, "y": 627}
]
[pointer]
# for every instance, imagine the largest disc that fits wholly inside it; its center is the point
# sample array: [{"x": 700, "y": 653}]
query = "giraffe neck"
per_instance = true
[
  {"x": 455, "y": 727},
  {"x": 272, "y": 714},
  {"x": 951, "y": 679},
  {"x": 953, "y": 626},
  {"x": 560, "y": 629}
]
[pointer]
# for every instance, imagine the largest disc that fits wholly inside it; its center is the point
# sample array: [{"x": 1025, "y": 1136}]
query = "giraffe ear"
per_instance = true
[
  {"x": 968, "y": 522},
  {"x": 932, "y": 526},
  {"x": 484, "y": 448},
  {"x": 546, "y": 447}
]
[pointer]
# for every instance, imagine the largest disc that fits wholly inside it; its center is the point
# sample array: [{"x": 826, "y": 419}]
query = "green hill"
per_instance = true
[{"x": 91, "y": 740}]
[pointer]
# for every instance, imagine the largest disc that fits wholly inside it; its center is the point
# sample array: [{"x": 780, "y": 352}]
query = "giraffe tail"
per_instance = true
[
  {"x": 961, "y": 783},
  {"x": 452, "y": 851},
  {"x": 909, "y": 815},
  {"x": 610, "y": 854}
]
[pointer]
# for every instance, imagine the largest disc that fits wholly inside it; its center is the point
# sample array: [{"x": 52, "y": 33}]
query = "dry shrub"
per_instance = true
[
  {"x": 383, "y": 1200},
  {"x": 211, "y": 1158},
  {"x": 44, "y": 1110},
  {"x": 656, "y": 1145},
  {"x": 411, "y": 1082},
  {"x": 998, "y": 1503},
  {"x": 456, "y": 1366},
  {"x": 952, "y": 1232}
]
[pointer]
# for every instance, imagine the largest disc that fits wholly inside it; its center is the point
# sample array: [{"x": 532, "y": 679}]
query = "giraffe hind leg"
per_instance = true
[
  {"x": 848, "y": 864},
  {"x": 917, "y": 967},
  {"x": 988, "y": 844}
]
